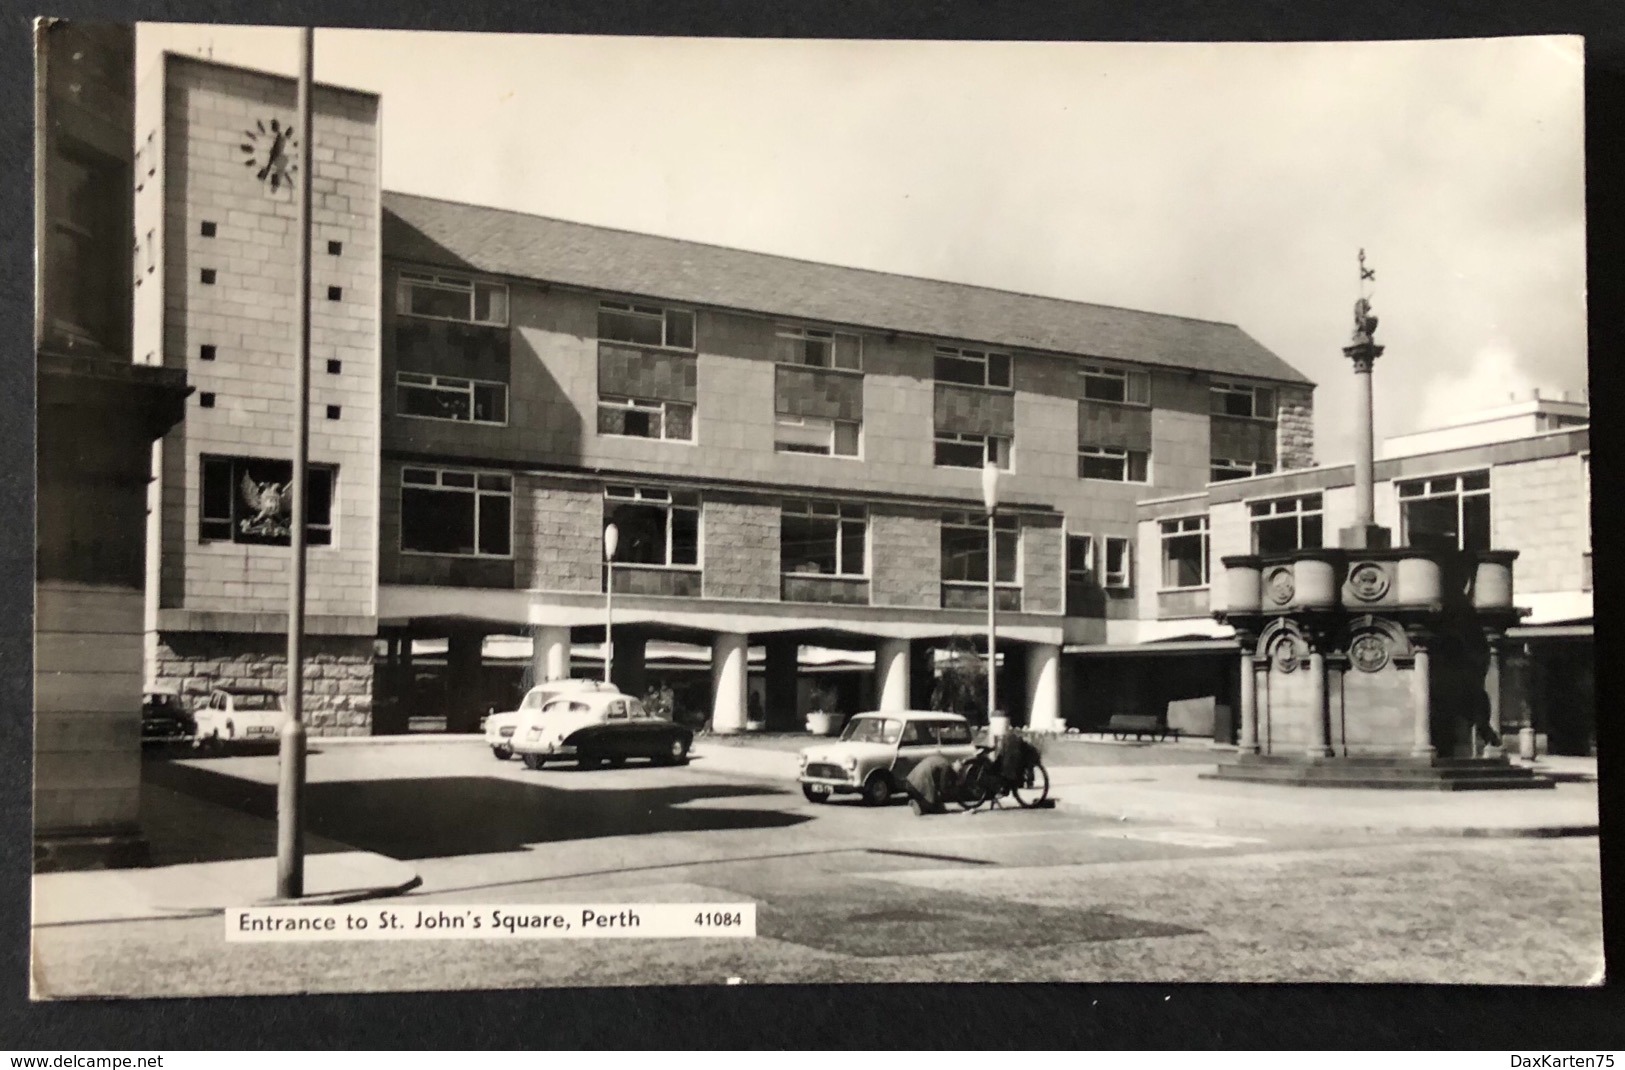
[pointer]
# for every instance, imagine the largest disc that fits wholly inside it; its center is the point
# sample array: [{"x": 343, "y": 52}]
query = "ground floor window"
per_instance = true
[
  {"x": 1113, "y": 463},
  {"x": 964, "y": 548},
  {"x": 249, "y": 500},
  {"x": 1285, "y": 524},
  {"x": 638, "y": 418},
  {"x": 1221, "y": 469},
  {"x": 441, "y": 397},
  {"x": 824, "y": 539},
  {"x": 812, "y": 434},
  {"x": 1184, "y": 553},
  {"x": 1446, "y": 512},
  {"x": 461, "y": 513},
  {"x": 657, "y": 526},
  {"x": 957, "y": 450}
]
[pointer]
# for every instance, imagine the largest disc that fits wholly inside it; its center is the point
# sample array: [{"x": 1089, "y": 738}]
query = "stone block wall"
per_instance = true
[
  {"x": 1541, "y": 509},
  {"x": 1043, "y": 566},
  {"x": 338, "y": 673},
  {"x": 1295, "y": 427},
  {"x": 907, "y": 562},
  {"x": 558, "y": 536},
  {"x": 741, "y": 548}
]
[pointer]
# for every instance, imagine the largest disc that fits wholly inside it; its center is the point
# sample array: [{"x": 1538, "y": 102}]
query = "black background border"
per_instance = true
[{"x": 883, "y": 1016}]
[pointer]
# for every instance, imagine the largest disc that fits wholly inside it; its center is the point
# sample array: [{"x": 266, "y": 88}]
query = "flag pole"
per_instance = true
[{"x": 290, "y": 830}]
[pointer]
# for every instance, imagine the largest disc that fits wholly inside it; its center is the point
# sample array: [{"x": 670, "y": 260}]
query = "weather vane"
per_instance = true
[{"x": 1365, "y": 324}]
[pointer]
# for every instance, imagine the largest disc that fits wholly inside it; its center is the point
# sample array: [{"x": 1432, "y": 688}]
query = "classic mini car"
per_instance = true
[
  {"x": 499, "y": 727},
  {"x": 595, "y": 727},
  {"x": 877, "y": 750},
  {"x": 164, "y": 718},
  {"x": 239, "y": 713}
]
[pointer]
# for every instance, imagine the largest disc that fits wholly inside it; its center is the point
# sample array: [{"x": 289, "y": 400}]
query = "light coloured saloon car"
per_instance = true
[
  {"x": 877, "y": 751},
  {"x": 234, "y": 714},
  {"x": 500, "y": 727}
]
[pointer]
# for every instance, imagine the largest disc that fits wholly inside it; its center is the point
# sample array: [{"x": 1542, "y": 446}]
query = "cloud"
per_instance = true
[{"x": 1494, "y": 377}]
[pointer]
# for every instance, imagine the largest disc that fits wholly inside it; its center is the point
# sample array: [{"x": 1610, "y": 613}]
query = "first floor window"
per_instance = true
[
  {"x": 812, "y": 434},
  {"x": 1115, "y": 575},
  {"x": 448, "y": 297},
  {"x": 1116, "y": 384},
  {"x": 823, "y": 539},
  {"x": 1285, "y": 524},
  {"x": 249, "y": 500},
  {"x": 1184, "y": 553},
  {"x": 638, "y": 418},
  {"x": 1241, "y": 399},
  {"x": 955, "y": 450},
  {"x": 1446, "y": 512},
  {"x": 462, "y": 513},
  {"x": 964, "y": 548},
  {"x": 657, "y": 526},
  {"x": 814, "y": 348},
  {"x": 972, "y": 367},
  {"x": 645, "y": 325},
  {"x": 1113, "y": 463},
  {"x": 1080, "y": 560},
  {"x": 1221, "y": 469},
  {"x": 442, "y": 397}
]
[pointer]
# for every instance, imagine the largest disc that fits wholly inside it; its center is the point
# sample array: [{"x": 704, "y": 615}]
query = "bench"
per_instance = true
[{"x": 1139, "y": 725}]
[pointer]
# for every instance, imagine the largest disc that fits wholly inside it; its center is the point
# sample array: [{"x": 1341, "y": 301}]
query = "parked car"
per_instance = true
[
  {"x": 239, "y": 713},
  {"x": 594, "y": 727},
  {"x": 499, "y": 727},
  {"x": 164, "y": 718},
  {"x": 876, "y": 751}
]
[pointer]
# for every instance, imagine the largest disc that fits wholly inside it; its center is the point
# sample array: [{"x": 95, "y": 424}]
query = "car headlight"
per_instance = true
[
  {"x": 803, "y": 761},
  {"x": 851, "y": 763}
]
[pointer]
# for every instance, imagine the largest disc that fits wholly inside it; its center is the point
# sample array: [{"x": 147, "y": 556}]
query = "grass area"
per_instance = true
[{"x": 1060, "y": 752}]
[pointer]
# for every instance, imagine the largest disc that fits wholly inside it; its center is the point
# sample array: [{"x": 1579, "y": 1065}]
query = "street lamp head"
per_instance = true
[
  {"x": 990, "y": 485},
  {"x": 612, "y": 539}
]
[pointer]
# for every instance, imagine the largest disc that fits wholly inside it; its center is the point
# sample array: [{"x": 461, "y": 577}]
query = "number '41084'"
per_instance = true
[{"x": 718, "y": 918}]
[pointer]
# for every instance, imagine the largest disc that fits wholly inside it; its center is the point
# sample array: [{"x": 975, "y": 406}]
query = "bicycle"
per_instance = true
[{"x": 981, "y": 783}]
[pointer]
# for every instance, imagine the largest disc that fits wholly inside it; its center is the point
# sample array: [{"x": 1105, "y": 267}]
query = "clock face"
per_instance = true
[{"x": 268, "y": 150}]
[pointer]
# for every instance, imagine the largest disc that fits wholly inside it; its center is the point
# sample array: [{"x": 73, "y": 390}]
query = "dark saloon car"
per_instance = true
[
  {"x": 594, "y": 727},
  {"x": 164, "y": 718}
]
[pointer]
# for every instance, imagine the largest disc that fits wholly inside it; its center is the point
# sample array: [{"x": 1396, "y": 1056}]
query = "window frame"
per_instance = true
[
  {"x": 1125, "y": 376},
  {"x": 1004, "y": 523},
  {"x": 844, "y": 513},
  {"x": 785, "y": 420},
  {"x": 407, "y": 280},
  {"x": 443, "y": 383},
  {"x": 330, "y": 529},
  {"x": 1459, "y": 492},
  {"x": 1089, "y": 574},
  {"x": 626, "y": 403},
  {"x": 791, "y": 332},
  {"x": 987, "y": 442},
  {"x": 1299, "y": 513},
  {"x": 1117, "y": 581},
  {"x": 1201, "y": 528},
  {"x": 1122, "y": 453},
  {"x": 1241, "y": 469},
  {"x": 985, "y": 357},
  {"x": 669, "y": 499},
  {"x": 1218, "y": 388},
  {"x": 662, "y": 312},
  {"x": 474, "y": 492}
]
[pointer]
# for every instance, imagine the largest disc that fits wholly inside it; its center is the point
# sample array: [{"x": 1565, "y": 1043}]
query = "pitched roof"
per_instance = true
[{"x": 496, "y": 241}]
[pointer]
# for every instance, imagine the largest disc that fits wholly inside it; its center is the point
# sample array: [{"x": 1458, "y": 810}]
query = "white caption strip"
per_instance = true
[{"x": 393, "y": 920}]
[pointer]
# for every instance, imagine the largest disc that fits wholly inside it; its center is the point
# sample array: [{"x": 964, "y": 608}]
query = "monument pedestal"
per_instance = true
[{"x": 1381, "y": 771}]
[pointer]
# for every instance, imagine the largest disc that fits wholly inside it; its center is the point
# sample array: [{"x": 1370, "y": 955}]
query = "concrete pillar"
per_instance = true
[
  {"x": 1421, "y": 704},
  {"x": 729, "y": 660},
  {"x": 549, "y": 654},
  {"x": 463, "y": 692},
  {"x": 922, "y": 677},
  {"x": 892, "y": 672},
  {"x": 1248, "y": 741},
  {"x": 1317, "y": 747},
  {"x": 627, "y": 668},
  {"x": 1492, "y": 691},
  {"x": 1044, "y": 688},
  {"x": 780, "y": 712}
]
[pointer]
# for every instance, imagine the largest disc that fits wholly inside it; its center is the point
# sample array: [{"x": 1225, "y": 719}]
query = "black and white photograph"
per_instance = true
[{"x": 525, "y": 511}]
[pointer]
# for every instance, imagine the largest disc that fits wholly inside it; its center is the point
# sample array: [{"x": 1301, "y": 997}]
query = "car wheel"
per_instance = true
[
  {"x": 535, "y": 761},
  {"x": 676, "y": 753},
  {"x": 877, "y": 789},
  {"x": 587, "y": 761},
  {"x": 814, "y": 796},
  {"x": 502, "y": 753}
]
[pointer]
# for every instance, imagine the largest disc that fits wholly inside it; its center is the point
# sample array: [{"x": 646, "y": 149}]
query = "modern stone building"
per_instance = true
[{"x": 790, "y": 451}]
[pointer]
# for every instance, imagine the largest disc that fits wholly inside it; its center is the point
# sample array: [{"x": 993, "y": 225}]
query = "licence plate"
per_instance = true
[
  {"x": 818, "y": 789},
  {"x": 259, "y": 730}
]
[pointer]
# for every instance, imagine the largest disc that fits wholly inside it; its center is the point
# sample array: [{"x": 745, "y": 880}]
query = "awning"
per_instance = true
[
  {"x": 1169, "y": 646},
  {"x": 1564, "y": 630}
]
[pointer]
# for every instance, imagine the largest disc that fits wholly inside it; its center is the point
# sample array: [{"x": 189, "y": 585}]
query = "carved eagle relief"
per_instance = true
[{"x": 269, "y": 506}]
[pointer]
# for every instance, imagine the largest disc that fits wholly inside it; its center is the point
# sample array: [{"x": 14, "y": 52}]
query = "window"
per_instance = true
[
  {"x": 1114, "y": 384},
  {"x": 645, "y": 325},
  {"x": 249, "y": 500},
  {"x": 206, "y": 399},
  {"x": 208, "y": 228},
  {"x": 972, "y": 367},
  {"x": 1220, "y": 469},
  {"x": 1238, "y": 399},
  {"x": 206, "y": 352},
  {"x": 823, "y": 539},
  {"x": 335, "y": 411},
  {"x": 447, "y": 297},
  {"x": 1080, "y": 560},
  {"x": 335, "y": 248},
  {"x": 812, "y": 434},
  {"x": 1285, "y": 524},
  {"x": 1446, "y": 512},
  {"x": 955, "y": 450},
  {"x": 1116, "y": 573},
  {"x": 1184, "y": 553},
  {"x": 951, "y": 733},
  {"x": 335, "y": 293},
  {"x": 964, "y": 548},
  {"x": 334, "y": 367},
  {"x": 1113, "y": 463},
  {"x": 819, "y": 349},
  {"x": 657, "y": 526},
  {"x": 616, "y": 710},
  {"x": 455, "y": 512},
  {"x": 442, "y": 397},
  {"x": 87, "y": 238},
  {"x": 637, "y": 418}
]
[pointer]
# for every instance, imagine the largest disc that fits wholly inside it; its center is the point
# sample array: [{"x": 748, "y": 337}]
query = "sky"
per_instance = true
[{"x": 1233, "y": 182}]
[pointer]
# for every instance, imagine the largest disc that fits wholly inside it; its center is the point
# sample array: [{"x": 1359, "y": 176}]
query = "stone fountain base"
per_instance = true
[{"x": 1373, "y": 771}]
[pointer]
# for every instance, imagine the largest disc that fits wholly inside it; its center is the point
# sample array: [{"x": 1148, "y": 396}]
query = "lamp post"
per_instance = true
[
  {"x": 612, "y": 539},
  {"x": 290, "y": 831},
  {"x": 990, "y": 498}
]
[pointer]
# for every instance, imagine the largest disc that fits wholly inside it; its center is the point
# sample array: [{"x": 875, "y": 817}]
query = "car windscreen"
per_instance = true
[
  {"x": 565, "y": 705},
  {"x": 259, "y": 700},
  {"x": 872, "y": 730},
  {"x": 536, "y": 699}
]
